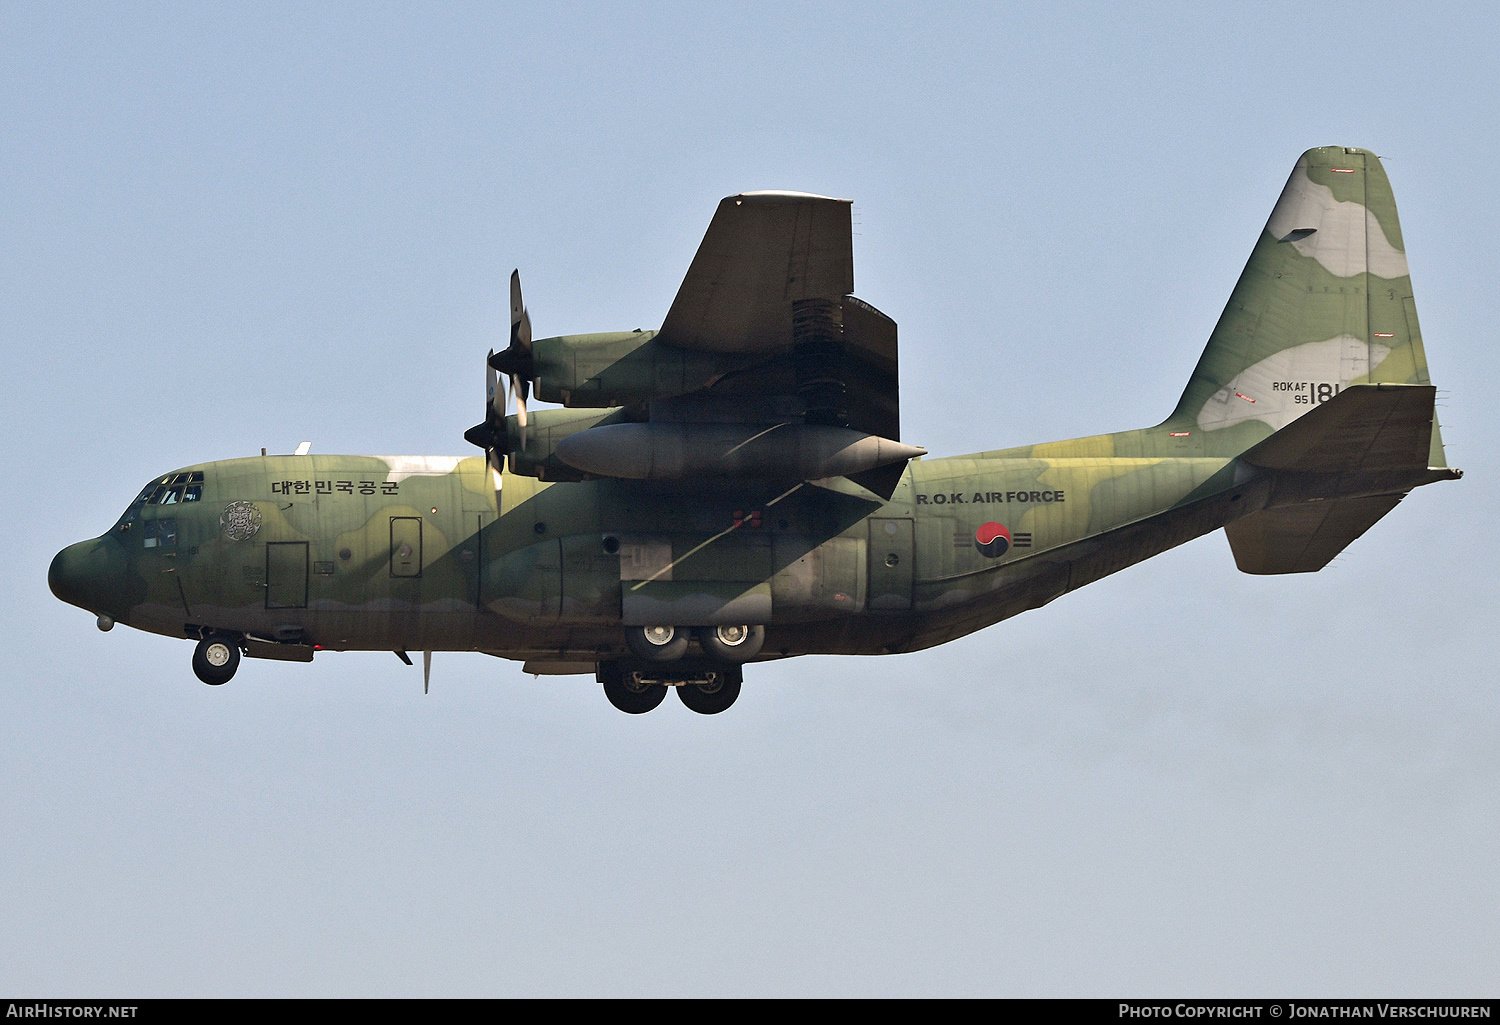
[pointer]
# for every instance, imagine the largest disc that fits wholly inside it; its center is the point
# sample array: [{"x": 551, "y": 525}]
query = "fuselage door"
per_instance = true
[
  {"x": 286, "y": 575},
  {"x": 890, "y": 564},
  {"x": 406, "y": 546}
]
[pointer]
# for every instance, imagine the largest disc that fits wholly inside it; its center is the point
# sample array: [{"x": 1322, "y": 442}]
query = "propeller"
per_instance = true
[
  {"x": 489, "y": 434},
  {"x": 515, "y": 362}
]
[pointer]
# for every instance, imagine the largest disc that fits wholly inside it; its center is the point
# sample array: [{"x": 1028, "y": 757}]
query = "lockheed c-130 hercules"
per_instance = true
[{"x": 734, "y": 487}]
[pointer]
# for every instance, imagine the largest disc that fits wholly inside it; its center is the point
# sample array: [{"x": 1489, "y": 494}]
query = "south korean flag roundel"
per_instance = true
[{"x": 993, "y": 540}]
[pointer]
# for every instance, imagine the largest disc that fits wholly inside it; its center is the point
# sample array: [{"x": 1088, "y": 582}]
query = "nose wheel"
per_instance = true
[{"x": 216, "y": 658}]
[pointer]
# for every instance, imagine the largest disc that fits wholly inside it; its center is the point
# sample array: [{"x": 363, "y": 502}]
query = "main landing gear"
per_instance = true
[
  {"x": 658, "y": 643},
  {"x": 728, "y": 643},
  {"x": 629, "y": 692},
  {"x": 216, "y": 658},
  {"x": 705, "y": 691},
  {"x": 707, "y": 684},
  {"x": 713, "y": 696}
]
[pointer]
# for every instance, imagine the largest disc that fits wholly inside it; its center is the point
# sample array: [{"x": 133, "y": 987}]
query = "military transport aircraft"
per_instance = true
[{"x": 734, "y": 486}]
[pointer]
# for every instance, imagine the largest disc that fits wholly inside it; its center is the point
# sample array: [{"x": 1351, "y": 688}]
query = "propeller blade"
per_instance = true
[
  {"x": 514, "y": 362},
  {"x": 494, "y": 404},
  {"x": 520, "y": 320},
  {"x": 520, "y": 388},
  {"x": 494, "y": 413},
  {"x": 481, "y": 435}
]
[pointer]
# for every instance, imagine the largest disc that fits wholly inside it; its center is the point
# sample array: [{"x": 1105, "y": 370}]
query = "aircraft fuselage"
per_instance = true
[
  {"x": 425, "y": 553},
  {"x": 662, "y": 529}
]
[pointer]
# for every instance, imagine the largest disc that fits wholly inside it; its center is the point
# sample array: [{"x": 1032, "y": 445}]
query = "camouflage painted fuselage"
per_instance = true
[
  {"x": 1308, "y": 417},
  {"x": 357, "y": 552}
]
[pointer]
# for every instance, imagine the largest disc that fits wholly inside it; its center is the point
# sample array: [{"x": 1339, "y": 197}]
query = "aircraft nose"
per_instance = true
[{"x": 80, "y": 574}]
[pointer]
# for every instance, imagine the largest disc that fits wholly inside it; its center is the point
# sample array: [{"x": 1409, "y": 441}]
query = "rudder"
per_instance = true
[{"x": 1324, "y": 302}]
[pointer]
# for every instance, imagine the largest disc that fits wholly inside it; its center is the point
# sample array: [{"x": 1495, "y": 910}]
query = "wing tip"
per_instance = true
[{"x": 782, "y": 196}]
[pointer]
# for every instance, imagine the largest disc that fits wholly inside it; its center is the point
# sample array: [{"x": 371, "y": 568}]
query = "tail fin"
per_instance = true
[{"x": 1325, "y": 302}]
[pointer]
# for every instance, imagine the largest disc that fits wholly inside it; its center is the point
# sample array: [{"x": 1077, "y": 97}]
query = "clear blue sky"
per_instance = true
[{"x": 227, "y": 227}]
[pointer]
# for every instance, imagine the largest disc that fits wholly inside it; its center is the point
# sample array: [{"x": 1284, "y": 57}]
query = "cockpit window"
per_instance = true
[
  {"x": 174, "y": 488},
  {"x": 159, "y": 533},
  {"x": 186, "y": 486}
]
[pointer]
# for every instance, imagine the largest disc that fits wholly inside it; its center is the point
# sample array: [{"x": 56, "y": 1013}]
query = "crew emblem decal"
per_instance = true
[
  {"x": 239, "y": 521},
  {"x": 992, "y": 539}
]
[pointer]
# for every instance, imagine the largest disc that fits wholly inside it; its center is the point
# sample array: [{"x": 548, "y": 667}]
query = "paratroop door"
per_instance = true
[
  {"x": 890, "y": 564},
  {"x": 286, "y": 575},
  {"x": 406, "y": 546}
]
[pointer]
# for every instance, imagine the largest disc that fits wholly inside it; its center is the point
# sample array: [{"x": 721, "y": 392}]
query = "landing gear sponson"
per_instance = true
[{"x": 707, "y": 686}]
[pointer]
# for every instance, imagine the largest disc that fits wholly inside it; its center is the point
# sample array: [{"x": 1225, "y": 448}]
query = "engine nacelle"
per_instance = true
[
  {"x": 621, "y": 369},
  {"x": 545, "y": 430},
  {"x": 673, "y": 451}
]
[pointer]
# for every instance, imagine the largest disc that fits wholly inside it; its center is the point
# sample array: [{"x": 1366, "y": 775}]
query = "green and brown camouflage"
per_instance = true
[{"x": 1308, "y": 417}]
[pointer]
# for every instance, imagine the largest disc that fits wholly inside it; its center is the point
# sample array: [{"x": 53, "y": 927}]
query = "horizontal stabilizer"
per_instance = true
[
  {"x": 1365, "y": 428},
  {"x": 1335, "y": 470},
  {"x": 1303, "y": 538}
]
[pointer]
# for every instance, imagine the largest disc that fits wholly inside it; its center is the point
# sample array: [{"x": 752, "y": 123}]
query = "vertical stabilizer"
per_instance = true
[{"x": 1325, "y": 302}]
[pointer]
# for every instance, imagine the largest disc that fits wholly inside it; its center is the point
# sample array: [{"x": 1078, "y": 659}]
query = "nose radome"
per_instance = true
[
  {"x": 63, "y": 575},
  {"x": 78, "y": 574}
]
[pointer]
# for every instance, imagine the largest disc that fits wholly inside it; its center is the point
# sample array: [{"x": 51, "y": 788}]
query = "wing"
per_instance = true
[
  {"x": 773, "y": 278},
  {"x": 763, "y": 252},
  {"x": 766, "y": 365}
]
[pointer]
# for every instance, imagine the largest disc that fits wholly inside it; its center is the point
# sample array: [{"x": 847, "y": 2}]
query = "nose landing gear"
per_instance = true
[{"x": 216, "y": 658}]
